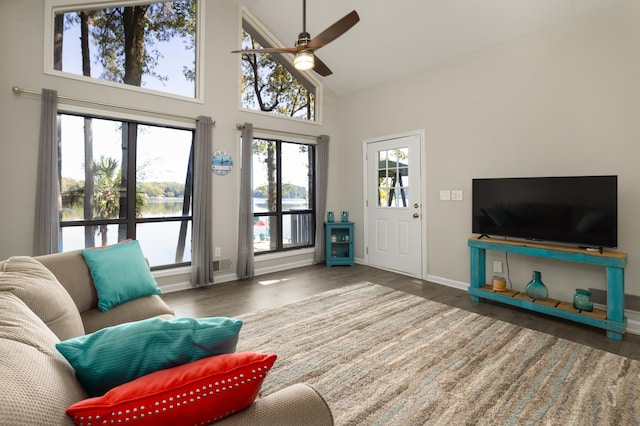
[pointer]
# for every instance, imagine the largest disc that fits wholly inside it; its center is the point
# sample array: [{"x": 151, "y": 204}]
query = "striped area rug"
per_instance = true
[{"x": 385, "y": 357}]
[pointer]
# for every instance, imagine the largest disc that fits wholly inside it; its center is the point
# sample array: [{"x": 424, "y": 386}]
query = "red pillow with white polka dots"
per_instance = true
[{"x": 200, "y": 392}]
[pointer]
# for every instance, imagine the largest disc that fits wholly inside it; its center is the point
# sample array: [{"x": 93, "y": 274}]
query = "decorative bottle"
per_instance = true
[
  {"x": 536, "y": 288},
  {"x": 330, "y": 217}
]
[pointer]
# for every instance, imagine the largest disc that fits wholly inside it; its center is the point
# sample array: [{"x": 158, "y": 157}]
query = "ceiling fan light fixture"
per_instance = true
[{"x": 303, "y": 60}]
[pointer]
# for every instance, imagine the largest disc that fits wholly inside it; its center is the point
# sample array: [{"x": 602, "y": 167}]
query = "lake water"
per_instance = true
[{"x": 159, "y": 241}]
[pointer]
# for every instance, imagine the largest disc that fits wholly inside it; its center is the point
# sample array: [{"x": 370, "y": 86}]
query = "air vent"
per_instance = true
[{"x": 221, "y": 265}]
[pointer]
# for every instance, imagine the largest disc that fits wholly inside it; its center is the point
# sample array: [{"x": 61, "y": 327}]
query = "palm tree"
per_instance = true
[
  {"x": 108, "y": 176},
  {"x": 107, "y": 191}
]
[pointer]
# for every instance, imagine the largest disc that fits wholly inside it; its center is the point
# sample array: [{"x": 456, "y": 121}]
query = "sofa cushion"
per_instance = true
[
  {"x": 120, "y": 273},
  {"x": 73, "y": 273},
  {"x": 134, "y": 310},
  {"x": 36, "y": 286},
  {"x": 200, "y": 392},
  {"x": 118, "y": 354},
  {"x": 37, "y": 384}
]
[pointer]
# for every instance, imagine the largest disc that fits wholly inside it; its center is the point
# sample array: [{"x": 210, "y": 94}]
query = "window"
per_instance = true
[
  {"x": 283, "y": 195},
  {"x": 150, "y": 45},
  {"x": 126, "y": 179},
  {"x": 269, "y": 83},
  {"x": 393, "y": 178}
]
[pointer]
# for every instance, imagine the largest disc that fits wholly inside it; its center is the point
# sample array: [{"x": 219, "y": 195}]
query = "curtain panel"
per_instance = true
[
  {"x": 322, "y": 175},
  {"x": 46, "y": 233},
  {"x": 202, "y": 232},
  {"x": 245, "y": 266}
]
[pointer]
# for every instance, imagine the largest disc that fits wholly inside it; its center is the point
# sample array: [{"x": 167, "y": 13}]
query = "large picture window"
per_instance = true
[
  {"x": 126, "y": 179},
  {"x": 271, "y": 84},
  {"x": 283, "y": 195},
  {"x": 150, "y": 45}
]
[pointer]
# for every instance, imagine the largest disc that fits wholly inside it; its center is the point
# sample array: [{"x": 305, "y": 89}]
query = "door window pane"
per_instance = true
[{"x": 393, "y": 178}]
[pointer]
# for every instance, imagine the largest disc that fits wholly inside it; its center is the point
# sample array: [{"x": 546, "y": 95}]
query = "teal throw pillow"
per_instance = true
[
  {"x": 120, "y": 273},
  {"x": 115, "y": 355}
]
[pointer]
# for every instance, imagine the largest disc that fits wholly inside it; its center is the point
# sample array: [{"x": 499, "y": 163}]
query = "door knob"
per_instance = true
[
  {"x": 416, "y": 205},
  {"x": 416, "y": 215}
]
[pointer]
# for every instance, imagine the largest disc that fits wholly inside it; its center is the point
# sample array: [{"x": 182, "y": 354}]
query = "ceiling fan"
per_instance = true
[{"x": 304, "y": 58}]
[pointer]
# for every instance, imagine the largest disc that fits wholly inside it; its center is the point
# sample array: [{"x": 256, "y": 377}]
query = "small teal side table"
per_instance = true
[{"x": 338, "y": 237}]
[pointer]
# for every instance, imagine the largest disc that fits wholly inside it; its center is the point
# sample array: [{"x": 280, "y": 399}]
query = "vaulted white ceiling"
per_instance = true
[{"x": 395, "y": 38}]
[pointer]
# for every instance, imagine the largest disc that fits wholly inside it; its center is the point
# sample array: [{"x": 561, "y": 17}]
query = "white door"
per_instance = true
[{"x": 394, "y": 204}]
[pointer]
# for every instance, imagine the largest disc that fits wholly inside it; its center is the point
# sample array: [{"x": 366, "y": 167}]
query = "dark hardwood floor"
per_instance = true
[{"x": 270, "y": 290}]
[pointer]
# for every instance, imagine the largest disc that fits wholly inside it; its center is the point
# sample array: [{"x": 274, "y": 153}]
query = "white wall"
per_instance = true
[
  {"x": 21, "y": 56},
  {"x": 563, "y": 101}
]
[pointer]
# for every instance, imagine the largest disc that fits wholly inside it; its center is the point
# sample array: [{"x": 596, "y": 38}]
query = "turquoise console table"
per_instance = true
[{"x": 613, "y": 320}]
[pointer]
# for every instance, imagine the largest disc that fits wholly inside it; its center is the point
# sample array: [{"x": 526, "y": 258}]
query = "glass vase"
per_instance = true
[
  {"x": 582, "y": 300},
  {"x": 330, "y": 217},
  {"x": 536, "y": 288}
]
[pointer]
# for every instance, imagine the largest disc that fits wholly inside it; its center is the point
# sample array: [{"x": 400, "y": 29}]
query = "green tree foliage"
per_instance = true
[
  {"x": 73, "y": 190},
  {"x": 125, "y": 37},
  {"x": 288, "y": 191},
  {"x": 268, "y": 86}
]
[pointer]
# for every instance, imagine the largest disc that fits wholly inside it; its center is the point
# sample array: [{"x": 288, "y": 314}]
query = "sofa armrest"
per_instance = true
[{"x": 295, "y": 405}]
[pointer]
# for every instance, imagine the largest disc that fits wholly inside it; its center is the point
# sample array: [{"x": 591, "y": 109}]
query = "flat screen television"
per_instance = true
[{"x": 577, "y": 210}]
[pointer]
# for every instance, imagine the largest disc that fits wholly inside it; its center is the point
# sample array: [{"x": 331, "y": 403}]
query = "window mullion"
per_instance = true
[
  {"x": 279, "y": 192},
  {"x": 130, "y": 188}
]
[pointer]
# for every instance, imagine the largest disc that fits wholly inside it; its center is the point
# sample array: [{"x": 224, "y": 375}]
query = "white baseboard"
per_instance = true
[
  {"x": 633, "y": 321},
  {"x": 633, "y": 317},
  {"x": 282, "y": 267}
]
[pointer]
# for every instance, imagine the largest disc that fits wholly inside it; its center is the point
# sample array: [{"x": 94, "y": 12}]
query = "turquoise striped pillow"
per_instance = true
[
  {"x": 116, "y": 355},
  {"x": 120, "y": 273}
]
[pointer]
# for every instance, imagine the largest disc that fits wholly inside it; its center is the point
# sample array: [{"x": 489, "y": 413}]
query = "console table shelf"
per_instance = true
[{"x": 612, "y": 320}]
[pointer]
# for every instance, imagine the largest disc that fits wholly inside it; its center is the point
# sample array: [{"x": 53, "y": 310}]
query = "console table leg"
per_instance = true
[
  {"x": 478, "y": 267},
  {"x": 615, "y": 294},
  {"x": 613, "y": 335}
]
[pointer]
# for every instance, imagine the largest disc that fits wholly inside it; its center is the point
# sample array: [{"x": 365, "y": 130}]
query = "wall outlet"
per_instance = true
[
  {"x": 217, "y": 252},
  {"x": 456, "y": 195},
  {"x": 445, "y": 195},
  {"x": 497, "y": 267}
]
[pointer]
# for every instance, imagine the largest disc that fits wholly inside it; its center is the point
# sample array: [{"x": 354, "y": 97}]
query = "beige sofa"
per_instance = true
[{"x": 42, "y": 306}]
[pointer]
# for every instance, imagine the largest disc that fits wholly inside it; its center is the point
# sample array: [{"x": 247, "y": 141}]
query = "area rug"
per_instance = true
[{"x": 385, "y": 357}]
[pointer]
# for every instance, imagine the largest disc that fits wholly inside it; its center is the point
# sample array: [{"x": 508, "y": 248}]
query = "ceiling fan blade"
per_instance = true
[
  {"x": 334, "y": 31},
  {"x": 271, "y": 50},
  {"x": 320, "y": 67}
]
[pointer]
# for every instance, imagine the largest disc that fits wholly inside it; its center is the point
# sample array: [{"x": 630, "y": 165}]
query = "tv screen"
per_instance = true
[{"x": 580, "y": 210}]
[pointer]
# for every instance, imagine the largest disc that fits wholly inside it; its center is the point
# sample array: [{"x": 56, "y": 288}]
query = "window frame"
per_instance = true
[
  {"x": 271, "y": 41},
  {"x": 51, "y": 7},
  {"x": 280, "y": 213},
  {"x": 131, "y": 221}
]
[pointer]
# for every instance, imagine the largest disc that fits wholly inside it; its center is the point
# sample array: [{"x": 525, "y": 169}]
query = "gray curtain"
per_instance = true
[
  {"x": 322, "y": 174},
  {"x": 245, "y": 217},
  {"x": 202, "y": 240},
  {"x": 46, "y": 233}
]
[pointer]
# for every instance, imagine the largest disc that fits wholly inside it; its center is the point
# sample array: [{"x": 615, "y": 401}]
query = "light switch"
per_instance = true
[
  {"x": 456, "y": 195},
  {"x": 445, "y": 195}
]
